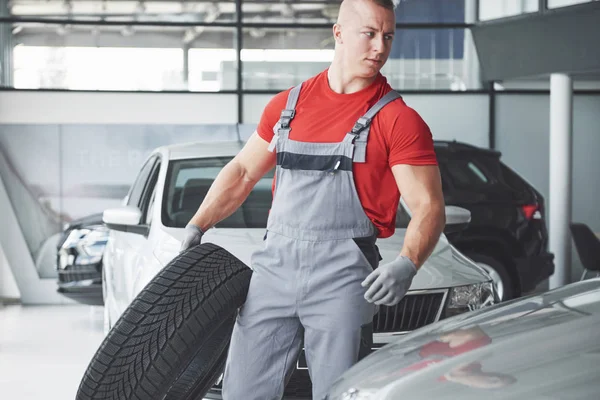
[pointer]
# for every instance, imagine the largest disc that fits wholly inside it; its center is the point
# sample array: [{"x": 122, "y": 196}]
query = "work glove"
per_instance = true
[
  {"x": 193, "y": 237},
  {"x": 389, "y": 283}
]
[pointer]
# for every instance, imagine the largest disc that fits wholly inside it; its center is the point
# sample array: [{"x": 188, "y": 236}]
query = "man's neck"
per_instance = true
[{"x": 344, "y": 83}]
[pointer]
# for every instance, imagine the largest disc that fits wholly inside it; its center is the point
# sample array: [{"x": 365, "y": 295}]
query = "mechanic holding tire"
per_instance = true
[{"x": 314, "y": 278}]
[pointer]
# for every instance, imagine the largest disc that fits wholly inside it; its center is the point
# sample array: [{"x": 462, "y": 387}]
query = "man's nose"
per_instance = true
[{"x": 379, "y": 44}]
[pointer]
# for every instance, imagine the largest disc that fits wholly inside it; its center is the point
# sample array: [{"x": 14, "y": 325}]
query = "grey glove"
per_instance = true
[
  {"x": 389, "y": 283},
  {"x": 193, "y": 237}
]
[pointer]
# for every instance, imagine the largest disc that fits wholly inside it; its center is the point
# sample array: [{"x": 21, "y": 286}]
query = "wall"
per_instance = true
[
  {"x": 522, "y": 134},
  {"x": 31, "y": 107},
  {"x": 8, "y": 286},
  {"x": 462, "y": 117}
]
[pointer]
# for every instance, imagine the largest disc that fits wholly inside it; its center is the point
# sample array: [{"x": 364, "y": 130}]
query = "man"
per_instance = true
[{"x": 344, "y": 146}]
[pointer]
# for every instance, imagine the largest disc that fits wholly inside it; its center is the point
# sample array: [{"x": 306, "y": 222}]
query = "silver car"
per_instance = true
[{"x": 539, "y": 347}]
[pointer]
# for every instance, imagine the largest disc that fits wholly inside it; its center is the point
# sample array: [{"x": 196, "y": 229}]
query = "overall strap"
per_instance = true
[
  {"x": 360, "y": 131},
  {"x": 282, "y": 128}
]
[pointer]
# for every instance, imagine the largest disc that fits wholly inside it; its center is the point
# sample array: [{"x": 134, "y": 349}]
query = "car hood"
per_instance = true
[
  {"x": 540, "y": 347},
  {"x": 94, "y": 219},
  {"x": 446, "y": 267}
]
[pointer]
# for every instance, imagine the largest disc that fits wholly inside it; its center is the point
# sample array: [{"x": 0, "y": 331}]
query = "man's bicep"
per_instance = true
[
  {"x": 419, "y": 184},
  {"x": 255, "y": 158}
]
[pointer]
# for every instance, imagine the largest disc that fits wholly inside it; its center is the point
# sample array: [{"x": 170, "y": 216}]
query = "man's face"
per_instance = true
[{"x": 365, "y": 37}]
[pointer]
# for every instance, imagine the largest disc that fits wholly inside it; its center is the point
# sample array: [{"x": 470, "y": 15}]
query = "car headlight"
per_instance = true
[
  {"x": 469, "y": 298},
  {"x": 90, "y": 247}
]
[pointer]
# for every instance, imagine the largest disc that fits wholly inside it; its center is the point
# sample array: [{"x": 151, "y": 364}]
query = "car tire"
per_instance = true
[
  {"x": 172, "y": 341},
  {"x": 497, "y": 268}
]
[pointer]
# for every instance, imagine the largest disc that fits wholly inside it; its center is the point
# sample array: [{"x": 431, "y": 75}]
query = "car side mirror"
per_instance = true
[
  {"x": 457, "y": 218},
  {"x": 125, "y": 219}
]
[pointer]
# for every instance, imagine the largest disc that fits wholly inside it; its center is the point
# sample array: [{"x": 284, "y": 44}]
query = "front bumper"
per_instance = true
[
  {"x": 82, "y": 284},
  {"x": 533, "y": 270}
]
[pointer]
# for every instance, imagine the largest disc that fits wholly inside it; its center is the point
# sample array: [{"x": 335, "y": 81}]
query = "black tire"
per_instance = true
[
  {"x": 171, "y": 342},
  {"x": 511, "y": 289}
]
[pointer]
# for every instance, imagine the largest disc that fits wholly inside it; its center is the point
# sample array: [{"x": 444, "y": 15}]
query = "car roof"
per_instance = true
[
  {"x": 183, "y": 151},
  {"x": 453, "y": 146},
  {"x": 229, "y": 148}
]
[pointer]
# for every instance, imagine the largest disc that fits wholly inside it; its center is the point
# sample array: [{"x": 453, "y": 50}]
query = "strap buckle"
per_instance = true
[
  {"x": 286, "y": 117},
  {"x": 360, "y": 125}
]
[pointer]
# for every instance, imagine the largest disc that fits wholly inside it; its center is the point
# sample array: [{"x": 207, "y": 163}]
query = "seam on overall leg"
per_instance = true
[{"x": 287, "y": 355}]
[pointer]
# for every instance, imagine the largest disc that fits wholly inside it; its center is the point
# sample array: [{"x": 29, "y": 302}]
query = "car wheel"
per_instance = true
[
  {"x": 499, "y": 274},
  {"x": 171, "y": 342}
]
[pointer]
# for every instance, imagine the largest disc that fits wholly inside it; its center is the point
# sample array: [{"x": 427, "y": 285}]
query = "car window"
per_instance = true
[
  {"x": 477, "y": 172},
  {"x": 147, "y": 203},
  {"x": 467, "y": 173},
  {"x": 137, "y": 190},
  {"x": 188, "y": 182},
  {"x": 402, "y": 218}
]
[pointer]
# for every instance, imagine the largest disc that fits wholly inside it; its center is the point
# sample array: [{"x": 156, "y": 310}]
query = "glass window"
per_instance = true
[
  {"x": 494, "y": 9},
  {"x": 402, "y": 218},
  {"x": 326, "y": 11},
  {"x": 129, "y": 58},
  {"x": 277, "y": 59},
  {"x": 466, "y": 173},
  {"x": 564, "y": 3},
  {"x": 477, "y": 172},
  {"x": 137, "y": 190},
  {"x": 431, "y": 59},
  {"x": 430, "y": 11},
  {"x": 171, "y": 11},
  {"x": 420, "y": 59},
  {"x": 285, "y": 11},
  {"x": 187, "y": 183}
]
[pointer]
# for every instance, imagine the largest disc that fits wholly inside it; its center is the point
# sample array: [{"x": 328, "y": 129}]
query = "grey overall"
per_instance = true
[{"x": 306, "y": 286}]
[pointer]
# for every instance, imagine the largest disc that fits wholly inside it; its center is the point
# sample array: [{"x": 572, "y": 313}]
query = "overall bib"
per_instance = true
[{"x": 306, "y": 285}]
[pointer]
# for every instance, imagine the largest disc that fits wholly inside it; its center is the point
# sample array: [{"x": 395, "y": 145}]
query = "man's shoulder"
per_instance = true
[{"x": 399, "y": 111}]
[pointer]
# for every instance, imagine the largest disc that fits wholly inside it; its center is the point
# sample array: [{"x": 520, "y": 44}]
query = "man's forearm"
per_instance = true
[
  {"x": 227, "y": 193},
  {"x": 423, "y": 232}
]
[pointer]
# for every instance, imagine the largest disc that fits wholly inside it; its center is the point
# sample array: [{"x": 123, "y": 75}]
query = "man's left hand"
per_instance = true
[{"x": 389, "y": 283}]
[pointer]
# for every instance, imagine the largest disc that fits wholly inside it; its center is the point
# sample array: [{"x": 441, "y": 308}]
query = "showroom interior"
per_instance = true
[{"x": 89, "y": 89}]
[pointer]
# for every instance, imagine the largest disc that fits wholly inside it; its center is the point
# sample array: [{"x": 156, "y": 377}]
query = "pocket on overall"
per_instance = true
[{"x": 368, "y": 249}]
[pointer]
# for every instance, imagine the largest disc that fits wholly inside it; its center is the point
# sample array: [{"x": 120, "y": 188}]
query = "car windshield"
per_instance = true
[{"x": 188, "y": 182}]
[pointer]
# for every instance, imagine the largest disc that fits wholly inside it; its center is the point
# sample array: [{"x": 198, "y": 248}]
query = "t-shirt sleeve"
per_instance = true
[
  {"x": 410, "y": 140},
  {"x": 271, "y": 114}
]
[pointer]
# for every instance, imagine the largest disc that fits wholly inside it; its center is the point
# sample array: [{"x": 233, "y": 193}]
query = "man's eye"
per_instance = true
[
  {"x": 389, "y": 37},
  {"x": 369, "y": 34}
]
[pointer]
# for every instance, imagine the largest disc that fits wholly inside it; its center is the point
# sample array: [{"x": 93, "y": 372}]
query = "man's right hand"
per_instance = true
[{"x": 193, "y": 237}]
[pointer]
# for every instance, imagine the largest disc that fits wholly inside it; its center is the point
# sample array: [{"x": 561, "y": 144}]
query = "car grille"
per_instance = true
[
  {"x": 74, "y": 276},
  {"x": 414, "y": 311}
]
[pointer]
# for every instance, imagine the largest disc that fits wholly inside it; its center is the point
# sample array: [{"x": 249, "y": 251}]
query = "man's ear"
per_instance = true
[{"x": 337, "y": 33}]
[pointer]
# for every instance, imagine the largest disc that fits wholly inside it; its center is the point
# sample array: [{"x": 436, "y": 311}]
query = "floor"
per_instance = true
[{"x": 44, "y": 350}]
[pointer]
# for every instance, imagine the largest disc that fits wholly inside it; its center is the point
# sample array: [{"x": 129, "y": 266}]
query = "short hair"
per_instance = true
[{"x": 389, "y": 4}]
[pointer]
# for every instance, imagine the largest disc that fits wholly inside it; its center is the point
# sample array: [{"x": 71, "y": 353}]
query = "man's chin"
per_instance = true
[{"x": 369, "y": 72}]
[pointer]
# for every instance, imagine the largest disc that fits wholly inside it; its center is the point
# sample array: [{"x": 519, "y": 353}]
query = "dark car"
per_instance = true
[
  {"x": 79, "y": 260},
  {"x": 507, "y": 234}
]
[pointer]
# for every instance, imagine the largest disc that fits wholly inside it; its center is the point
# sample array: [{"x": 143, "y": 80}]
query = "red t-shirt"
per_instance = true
[{"x": 398, "y": 135}]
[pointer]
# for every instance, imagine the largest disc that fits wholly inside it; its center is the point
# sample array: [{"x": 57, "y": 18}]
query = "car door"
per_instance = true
[
  {"x": 145, "y": 265},
  {"x": 128, "y": 243}
]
